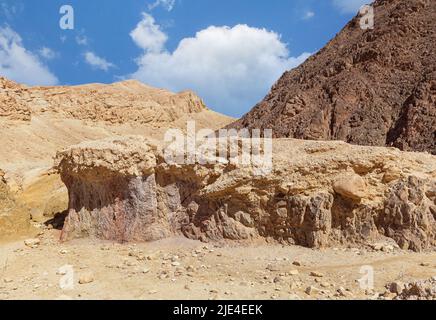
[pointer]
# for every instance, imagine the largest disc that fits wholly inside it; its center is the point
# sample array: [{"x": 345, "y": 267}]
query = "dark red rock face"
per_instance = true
[
  {"x": 120, "y": 208},
  {"x": 368, "y": 87}
]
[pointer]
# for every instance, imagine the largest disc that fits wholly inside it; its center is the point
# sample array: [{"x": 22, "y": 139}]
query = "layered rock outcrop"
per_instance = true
[
  {"x": 14, "y": 217},
  {"x": 367, "y": 86},
  {"x": 317, "y": 194}
]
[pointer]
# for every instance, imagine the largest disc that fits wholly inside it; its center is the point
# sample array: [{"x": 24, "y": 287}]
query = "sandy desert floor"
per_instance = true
[{"x": 182, "y": 269}]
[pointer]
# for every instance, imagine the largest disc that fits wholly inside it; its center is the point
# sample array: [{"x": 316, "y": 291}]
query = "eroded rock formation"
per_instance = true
[
  {"x": 369, "y": 87},
  {"x": 36, "y": 122},
  {"x": 14, "y": 217},
  {"x": 122, "y": 189}
]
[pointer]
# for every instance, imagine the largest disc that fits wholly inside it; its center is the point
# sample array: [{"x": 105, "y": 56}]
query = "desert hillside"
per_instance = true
[
  {"x": 339, "y": 204},
  {"x": 370, "y": 87},
  {"x": 36, "y": 122}
]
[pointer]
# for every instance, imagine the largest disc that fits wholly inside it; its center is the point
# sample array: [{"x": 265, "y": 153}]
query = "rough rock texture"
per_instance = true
[
  {"x": 369, "y": 87},
  {"x": 123, "y": 190},
  {"x": 11, "y": 106},
  {"x": 419, "y": 290},
  {"x": 128, "y": 101},
  {"x": 13, "y": 216},
  {"x": 36, "y": 122}
]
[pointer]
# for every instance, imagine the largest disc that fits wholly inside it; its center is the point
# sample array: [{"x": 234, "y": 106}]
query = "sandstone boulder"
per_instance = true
[{"x": 350, "y": 186}]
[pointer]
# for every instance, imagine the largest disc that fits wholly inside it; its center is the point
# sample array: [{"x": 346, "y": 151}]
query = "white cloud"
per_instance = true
[
  {"x": 81, "y": 40},
  {"x": 148, "y": 35},
  {"x": 19, "y": 64},
  {"x": 166, "y": 4},
  {"x": 350, "y": 6},
  {"x": 97, "y": 62},
  {"x": 308, "y": 15},
  {"x": 47, "y": 53},
  {"x": 231, "y": 68}
]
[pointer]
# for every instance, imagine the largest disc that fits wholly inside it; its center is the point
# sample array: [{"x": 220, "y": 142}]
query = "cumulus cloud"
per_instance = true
[
  {"x": 166, "y": 4},
  {"x": 19, "y": 64},
  {"x": 350, "y": 6},
  {"x": 97, "y": 62},
  {"x": 231, "y": 68},
  {"x": 148, "y": 35}
]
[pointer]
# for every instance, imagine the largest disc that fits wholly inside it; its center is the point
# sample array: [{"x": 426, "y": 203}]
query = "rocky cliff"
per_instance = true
[
  {"x": 369, "y": 87},
  {"x": 318, "y": 194}
]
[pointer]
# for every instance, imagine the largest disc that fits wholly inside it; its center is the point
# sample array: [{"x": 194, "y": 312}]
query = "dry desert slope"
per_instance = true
[{"x": 36, "y": 122}]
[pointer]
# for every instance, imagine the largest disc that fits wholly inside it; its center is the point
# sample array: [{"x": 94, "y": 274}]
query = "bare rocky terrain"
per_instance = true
[
  {"x": 36, "y": 122},
  {"x": 91, "y": 208},
  {"x": 372, "y": 87},
  {"x": 317, "y": 194},
  {"x": 178, "y": 268},
  {"x": 139, "y": 228}
]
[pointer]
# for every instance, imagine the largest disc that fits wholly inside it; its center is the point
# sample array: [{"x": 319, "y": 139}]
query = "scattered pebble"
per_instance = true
[
  {"x": 86, "y": 278},
  {"x": 316, "y": 274},
  {"x": 32, "y": 243}
]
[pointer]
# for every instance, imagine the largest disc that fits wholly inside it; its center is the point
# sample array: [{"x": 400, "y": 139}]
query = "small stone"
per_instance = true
[
  {"x": 190, "y": 268},
  {"x": 8, "y": 280},
  {"x": 145, "y": 270},
  {"x": 272, "y": 268},
  {"x": 350, "y": 186},
  {"x": 32, "y": 243},
  {"x": 61, "y": 272},
  {"x": 175, "y": 264},
  {"x": 277, "y": 280},
  {"x": 152, "y": 292},
  {"x": 316, "y": 274},
  {"x": 297, "y": 263},
  {"x": 342, "y": 292},
  {"x": 377, "y": 246},
  {"x": 63, "y": 252},
  {"x": 325, "y": 284},
  {"x": 396, "y": 287},
  {"x": 388, "y": 248},
  {"x": 86, "y": 278},
  {"x": 312, "y": 291},
  {"x": 425, "y": 264},
  {"x": 294, "y": 272}
]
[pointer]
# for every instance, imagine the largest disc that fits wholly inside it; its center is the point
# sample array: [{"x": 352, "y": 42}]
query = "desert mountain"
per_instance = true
[
  {"x": 372, "y": 87},
  {"x": 36, "y": 122}
]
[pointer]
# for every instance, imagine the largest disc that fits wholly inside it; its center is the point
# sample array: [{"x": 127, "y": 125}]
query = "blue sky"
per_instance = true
[{"x": 229, "y": 52}]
